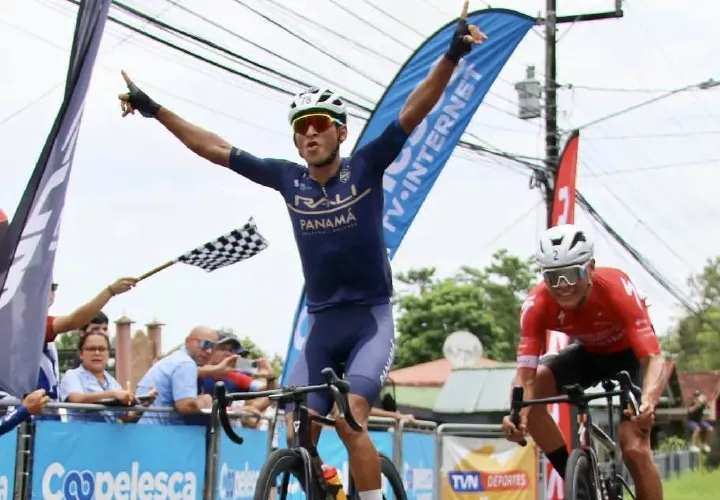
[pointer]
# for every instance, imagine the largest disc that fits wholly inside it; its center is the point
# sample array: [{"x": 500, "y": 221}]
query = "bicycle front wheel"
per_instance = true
[
  {"x": 274, "y": 478},
  {"x": 393, "y": 478},
  {"x": 580, "y": 477}
]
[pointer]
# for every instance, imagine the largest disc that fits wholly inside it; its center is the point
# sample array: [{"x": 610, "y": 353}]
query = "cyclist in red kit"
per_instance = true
[{"x": 602, "y": 311}]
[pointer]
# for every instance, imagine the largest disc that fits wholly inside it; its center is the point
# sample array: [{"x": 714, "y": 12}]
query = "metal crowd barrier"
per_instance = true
[{"x": 56, "y": 460}]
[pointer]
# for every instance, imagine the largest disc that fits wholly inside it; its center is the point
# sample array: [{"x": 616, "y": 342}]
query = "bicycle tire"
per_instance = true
[
  {"x": 388, "y": 469},
  {"x": 280, "y": 461},
  {"x": 391, "y": 474},
  {"x": 579, "y": 477}
]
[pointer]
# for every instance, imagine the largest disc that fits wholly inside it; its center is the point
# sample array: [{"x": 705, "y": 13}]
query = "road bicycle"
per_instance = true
[
  {"x": 301, "y": 460},
  {"x": 584, "y": 478}
]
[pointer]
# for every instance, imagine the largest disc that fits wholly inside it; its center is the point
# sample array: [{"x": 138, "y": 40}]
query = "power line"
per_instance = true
[
  {"x": 651, "y": 270},
  {"x": 336, "y": 33},
  {"x": 708, "y": 162},
  {"x": 370, "y": 25},
  {"x": 618, "y": 90},
  {"x": 259, "y": 46},
  {"x": 650, "y": 136},
  {"x": 309, "y": 43}
]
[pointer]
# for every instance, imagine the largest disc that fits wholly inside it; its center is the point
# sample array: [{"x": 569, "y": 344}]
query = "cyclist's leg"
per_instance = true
[
  {"x": 368, "y": 364},
  {"x": 634, "y": 444},
  {"x": 695, "y": 429},
  {"x": 316, "y": 354},
  {"x": 567, "y": 367},
  {"x": 707, "y": 431}
]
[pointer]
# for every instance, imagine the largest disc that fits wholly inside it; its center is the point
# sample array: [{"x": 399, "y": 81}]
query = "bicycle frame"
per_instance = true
[
  {"x": 588, "y": 432},
  {"x": 302, "y": 418}
]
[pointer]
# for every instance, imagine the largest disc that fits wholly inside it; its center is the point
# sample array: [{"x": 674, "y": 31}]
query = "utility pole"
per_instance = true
[
  {"x": 529, "y": 93},
  {"x": 552, "y": 134},
  {"x": 552, "y": 141}
]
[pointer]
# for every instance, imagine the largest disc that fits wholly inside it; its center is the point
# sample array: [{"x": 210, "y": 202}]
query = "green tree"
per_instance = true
[
  {"x": 484, "y": 302},
  {"x": 68, "y": 341},
  {"x": 694, "y": 342}
]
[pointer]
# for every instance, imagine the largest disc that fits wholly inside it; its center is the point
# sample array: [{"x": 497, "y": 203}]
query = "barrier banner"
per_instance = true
[
  {"x": 108, "y": 461},
  {"x": 418, "y": 470},
  {"x": 332, "y": 451},
  {"x": 488, "y": 469},
  {"x": 408, "y": 181},
  {"x": 8, "y": 451},
  {"x": 239, "y": 465}
]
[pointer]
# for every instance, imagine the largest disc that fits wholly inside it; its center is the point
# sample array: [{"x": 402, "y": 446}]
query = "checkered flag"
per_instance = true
[{"x": 237, "y": 245}]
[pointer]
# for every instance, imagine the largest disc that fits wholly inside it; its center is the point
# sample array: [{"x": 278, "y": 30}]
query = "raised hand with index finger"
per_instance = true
[
  {"x": 136, "y": 99},
  {"x": 464, "y": 37}
]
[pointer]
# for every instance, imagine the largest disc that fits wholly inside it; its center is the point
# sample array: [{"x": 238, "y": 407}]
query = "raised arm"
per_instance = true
[
  {"x": 198, "y": 140},
  {"x": 203, "y": 143},
  {"x": 422, "y": 100},
  {"x": 86, "y": 312}
]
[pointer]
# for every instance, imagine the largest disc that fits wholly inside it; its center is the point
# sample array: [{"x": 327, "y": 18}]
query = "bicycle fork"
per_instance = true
[
  {"x": 586, "y": 445},
  {"x": 313, "y": 463}
]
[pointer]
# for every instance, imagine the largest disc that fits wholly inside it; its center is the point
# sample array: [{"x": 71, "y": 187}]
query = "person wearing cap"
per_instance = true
[
  {"x": 222, "y": 366},
  {"x": 240, "y": 380}
]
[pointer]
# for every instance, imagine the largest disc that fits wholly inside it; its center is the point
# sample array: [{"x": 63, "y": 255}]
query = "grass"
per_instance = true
[{"x": 697, "y": 485}]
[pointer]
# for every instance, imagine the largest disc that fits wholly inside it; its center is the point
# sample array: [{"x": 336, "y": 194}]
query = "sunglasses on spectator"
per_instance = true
[
  {"x": 320, "y": 123},
  {"x": 206, "y": 345},
  {"x": 54, "y": 287}
]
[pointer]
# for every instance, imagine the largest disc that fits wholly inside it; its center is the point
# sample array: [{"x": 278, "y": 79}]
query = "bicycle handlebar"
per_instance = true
[
  {"x": 338, "y": 387},
  {"x": 515, "y": 406},
  {"x": 576, "y": 396}
]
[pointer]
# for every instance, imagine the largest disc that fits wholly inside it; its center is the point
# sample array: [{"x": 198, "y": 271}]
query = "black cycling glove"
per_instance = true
[
  {"x": 140, "y": 101},
  {"x": 458, "y": 46}
]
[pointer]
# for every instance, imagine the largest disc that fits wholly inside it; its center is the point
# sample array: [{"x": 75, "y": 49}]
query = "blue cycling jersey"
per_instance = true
[{"x": 338, "y": 227}]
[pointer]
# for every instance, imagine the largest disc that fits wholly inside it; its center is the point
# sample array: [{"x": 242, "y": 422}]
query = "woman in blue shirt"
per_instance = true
[{"x": 91, "y": 382}]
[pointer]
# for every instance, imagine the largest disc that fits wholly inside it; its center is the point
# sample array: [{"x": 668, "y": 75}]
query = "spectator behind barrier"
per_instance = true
[
  {"x": 91, "y": 382},
  {"x": 99, "y": 324},
  {"x": 697, "y": 424},
  {"x": 49, "y": 370},
  {"x": 388, "y": 409},
  {"x": 175, "y": 377},
  {"x": 228, "y": 347},
  {"x": 33, "y": 404},
  {"x": 222, "y": 367}
]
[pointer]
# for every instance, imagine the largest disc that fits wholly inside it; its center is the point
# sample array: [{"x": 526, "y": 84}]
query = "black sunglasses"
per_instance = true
[{"x": 54, "y": 287}]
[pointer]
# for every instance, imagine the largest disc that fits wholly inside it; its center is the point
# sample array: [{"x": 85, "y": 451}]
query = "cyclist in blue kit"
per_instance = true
[{"x": 336, "y": 208}]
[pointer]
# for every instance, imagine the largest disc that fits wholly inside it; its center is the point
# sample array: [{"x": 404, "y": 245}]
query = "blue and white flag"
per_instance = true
[
  {"x": 27, "y": 251},
  {"x": 410, "y": 178}
]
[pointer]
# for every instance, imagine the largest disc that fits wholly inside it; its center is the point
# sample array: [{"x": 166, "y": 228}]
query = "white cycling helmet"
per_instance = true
[
  {"x": 318, "y": 99},
  {"x": 563, "y": 245}
]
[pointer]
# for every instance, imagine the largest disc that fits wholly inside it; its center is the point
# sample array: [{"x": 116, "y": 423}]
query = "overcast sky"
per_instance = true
[{"x": 138, "y": 198}]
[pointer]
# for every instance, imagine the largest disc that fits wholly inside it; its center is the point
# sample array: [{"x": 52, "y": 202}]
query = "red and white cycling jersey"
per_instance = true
[{"x": 613, "y": 319}]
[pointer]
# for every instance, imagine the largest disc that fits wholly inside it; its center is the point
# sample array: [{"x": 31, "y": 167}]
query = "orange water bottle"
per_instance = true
[{"x": 332, "y": 477}]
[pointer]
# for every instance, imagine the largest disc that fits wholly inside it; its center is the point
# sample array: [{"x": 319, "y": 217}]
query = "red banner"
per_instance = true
[
  {"x": 3, "y": 223},
  {"x": 564, "y": 201},
  {"x": 563, "y": 213}
]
